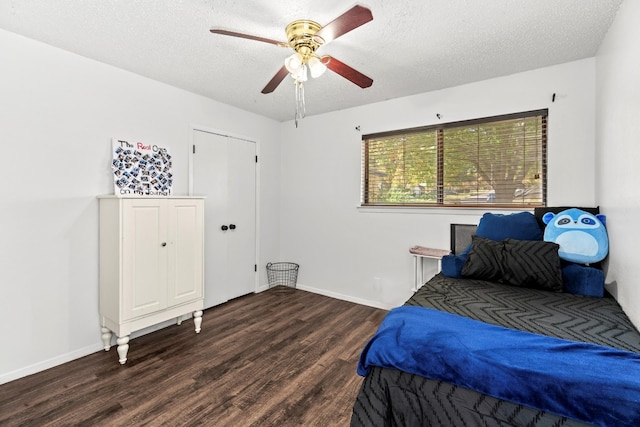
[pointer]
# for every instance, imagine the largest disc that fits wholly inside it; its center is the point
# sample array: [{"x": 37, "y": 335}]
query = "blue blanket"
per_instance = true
[{"x": 586, "y": 382}]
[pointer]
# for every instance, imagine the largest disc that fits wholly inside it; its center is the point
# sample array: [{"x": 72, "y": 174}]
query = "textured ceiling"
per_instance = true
[{"x": 410, "y": 47}]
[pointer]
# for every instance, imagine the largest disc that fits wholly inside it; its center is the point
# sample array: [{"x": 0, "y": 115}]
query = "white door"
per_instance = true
[{"x": 224, "y": 171}]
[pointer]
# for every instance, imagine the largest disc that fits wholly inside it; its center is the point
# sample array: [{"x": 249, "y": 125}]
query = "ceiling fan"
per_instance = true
[{"x": 305, "y": 37}]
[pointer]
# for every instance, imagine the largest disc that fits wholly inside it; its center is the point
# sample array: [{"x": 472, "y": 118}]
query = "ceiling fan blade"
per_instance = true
[
  {"x": 248, "y": 36},
  {"x": 276, "y": 80},
  {"x": 347, "y": 72},
  {"x": 350, "y": 20}
]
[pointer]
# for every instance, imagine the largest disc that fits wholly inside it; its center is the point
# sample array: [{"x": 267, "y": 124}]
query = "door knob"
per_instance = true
[
  {"x": 232, "y": 226},
  {"x": 164, "y": 244},
  {"x": 224, "y": 228}
]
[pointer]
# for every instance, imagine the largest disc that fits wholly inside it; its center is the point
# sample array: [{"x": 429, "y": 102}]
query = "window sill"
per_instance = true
[{"x": 441, "y": 210}]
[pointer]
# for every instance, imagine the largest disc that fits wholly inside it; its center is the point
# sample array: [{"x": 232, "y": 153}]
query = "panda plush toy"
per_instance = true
[{"x": 582, "y": 236}]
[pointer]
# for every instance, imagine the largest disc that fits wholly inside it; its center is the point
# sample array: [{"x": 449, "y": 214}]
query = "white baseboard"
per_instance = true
[
  {"x": 361, "y": 301},
  {"x": 50, "y": 363},
  {"x": 85, "y": 351}
]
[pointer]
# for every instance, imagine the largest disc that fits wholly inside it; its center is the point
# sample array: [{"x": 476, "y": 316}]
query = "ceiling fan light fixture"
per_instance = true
[
  {"x": 316, "y": 67},
  {"x": 300, "y": 74},
  {"x": 294, "y": 63}
]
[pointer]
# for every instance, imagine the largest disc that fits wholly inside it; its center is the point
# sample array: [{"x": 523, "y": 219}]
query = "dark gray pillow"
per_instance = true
[
  {"x": 526, "y": 263},
  {"x": 532, "y": 264},
  {"x": 484, "y": 259}
]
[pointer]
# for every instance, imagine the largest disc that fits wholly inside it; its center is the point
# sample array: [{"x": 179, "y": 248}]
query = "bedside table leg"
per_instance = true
[
  {"x": 415, "y": 273},
  {"x": 420, "y": 273}
]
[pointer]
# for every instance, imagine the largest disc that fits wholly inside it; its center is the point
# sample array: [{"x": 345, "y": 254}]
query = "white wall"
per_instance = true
[
  {"x": 618, "y": 152},
  {"x": 362, "y": 254},
  {"x": 58, "y": 112}
]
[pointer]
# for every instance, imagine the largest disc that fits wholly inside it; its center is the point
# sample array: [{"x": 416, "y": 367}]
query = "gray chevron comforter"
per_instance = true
[{"x": 389, "y": 397}]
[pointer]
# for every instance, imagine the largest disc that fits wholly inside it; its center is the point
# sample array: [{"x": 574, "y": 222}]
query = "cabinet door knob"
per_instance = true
[
  {"x": 164, "y": 244},
  {"x": 224, "y": 228},
  {"x": 232, "y": 226}
]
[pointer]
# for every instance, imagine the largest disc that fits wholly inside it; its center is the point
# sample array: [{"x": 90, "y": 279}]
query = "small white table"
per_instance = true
[{"x": 419, "y": 253}]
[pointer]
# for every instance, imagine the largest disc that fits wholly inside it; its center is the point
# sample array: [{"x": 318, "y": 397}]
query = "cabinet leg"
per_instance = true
[
  {"x": 197, "y": 320},
  {"x": 106, "y": 338},
  {"x": 123, "y": 348}
]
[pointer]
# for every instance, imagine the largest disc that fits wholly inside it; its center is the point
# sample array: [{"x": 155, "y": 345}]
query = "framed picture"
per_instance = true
[{"x": 140, "y": 168}]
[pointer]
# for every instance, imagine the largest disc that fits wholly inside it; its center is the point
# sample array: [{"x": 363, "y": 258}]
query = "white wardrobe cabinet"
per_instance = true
[{"x": 151, "y": 264}]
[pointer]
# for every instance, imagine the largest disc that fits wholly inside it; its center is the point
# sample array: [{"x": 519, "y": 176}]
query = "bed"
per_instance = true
[{"x": 464, "y": 351}]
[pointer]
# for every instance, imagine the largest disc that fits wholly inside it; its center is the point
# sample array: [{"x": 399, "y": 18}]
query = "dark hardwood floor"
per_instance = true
[{"x": 270, "y": 359}]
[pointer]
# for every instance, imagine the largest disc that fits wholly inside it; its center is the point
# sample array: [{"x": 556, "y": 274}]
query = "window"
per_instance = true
[{"x": 494, "y": 161}]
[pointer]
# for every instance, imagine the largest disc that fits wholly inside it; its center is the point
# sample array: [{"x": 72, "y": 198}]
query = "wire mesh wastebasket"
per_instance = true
[{"x": 282, "y": 275}]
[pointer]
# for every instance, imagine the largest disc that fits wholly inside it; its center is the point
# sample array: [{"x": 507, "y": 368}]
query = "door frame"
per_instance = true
[{"x": 194, "y": 128}]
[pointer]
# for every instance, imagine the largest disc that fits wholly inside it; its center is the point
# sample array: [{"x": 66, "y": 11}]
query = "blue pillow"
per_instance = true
[
  {"x": 518, "y": 226},
  {"x": 451, "y": 265},
  {"x": 582, "y": 280}
]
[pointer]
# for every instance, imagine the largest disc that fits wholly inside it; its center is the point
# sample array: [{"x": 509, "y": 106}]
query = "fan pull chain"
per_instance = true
[{"x": 300, "y": 105}]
